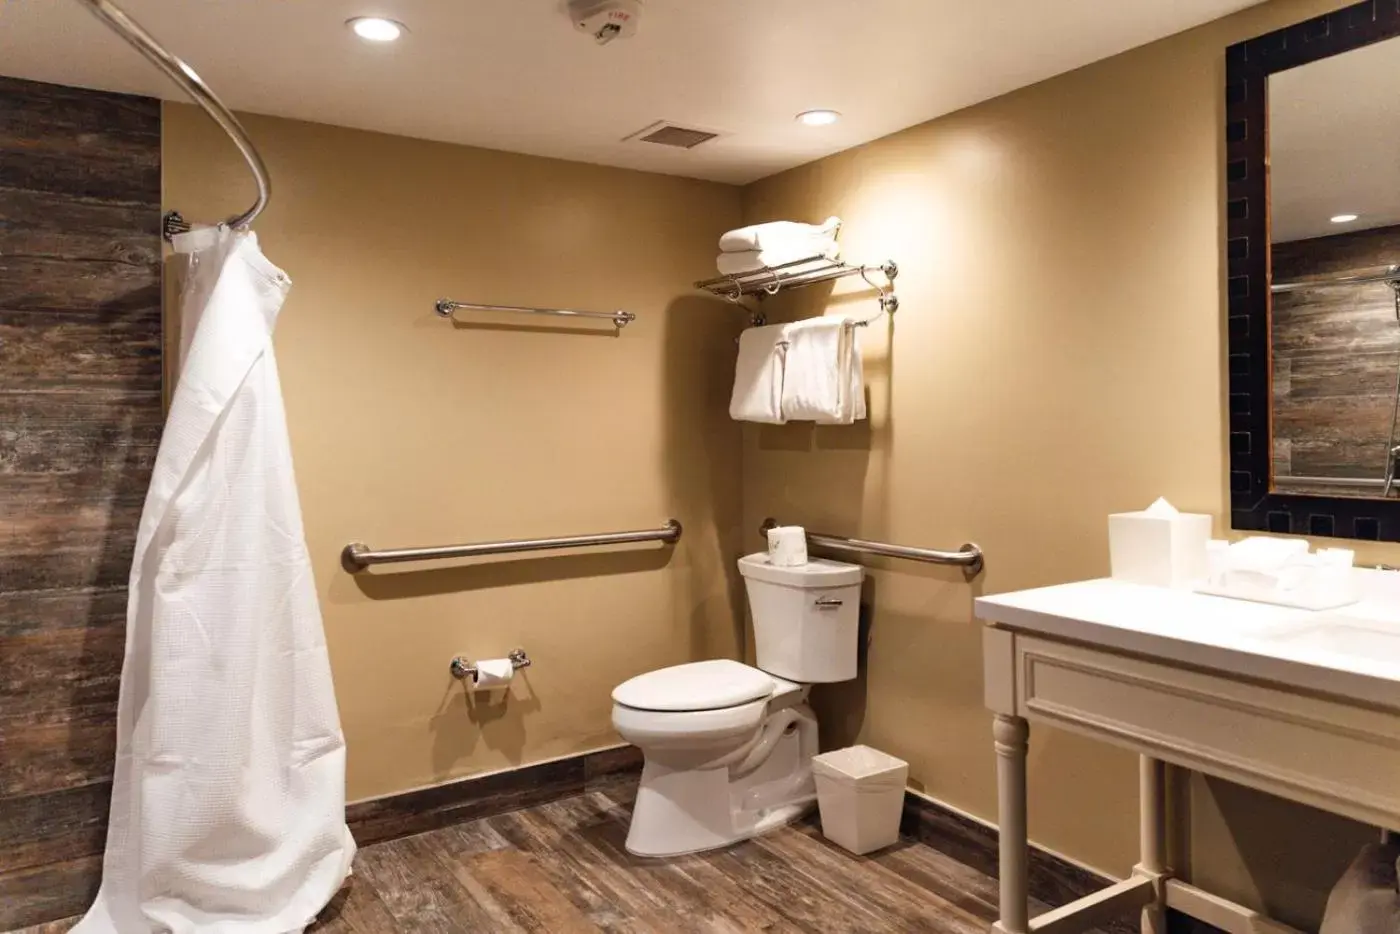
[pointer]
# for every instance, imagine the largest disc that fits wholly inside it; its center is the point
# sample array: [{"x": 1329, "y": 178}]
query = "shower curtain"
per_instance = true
[{"x": 228, "y": 803}]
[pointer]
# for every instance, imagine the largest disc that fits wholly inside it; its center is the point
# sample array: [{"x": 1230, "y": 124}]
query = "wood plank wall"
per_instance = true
[
  {"x": 1335, "y": 356},
  {"x": 80, "y": 419}
]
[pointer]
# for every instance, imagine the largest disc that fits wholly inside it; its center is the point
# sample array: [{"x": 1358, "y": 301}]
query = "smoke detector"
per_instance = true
[{"x": 605, "y": 20}]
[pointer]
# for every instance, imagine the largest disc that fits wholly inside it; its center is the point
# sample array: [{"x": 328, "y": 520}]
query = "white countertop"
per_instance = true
[{"x": 1344, "y": 652}]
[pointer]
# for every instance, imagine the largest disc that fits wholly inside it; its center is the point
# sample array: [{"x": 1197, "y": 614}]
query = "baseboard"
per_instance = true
[
  {"x": 410, "y": 812},
  {"x": 1054, "y": 879}
]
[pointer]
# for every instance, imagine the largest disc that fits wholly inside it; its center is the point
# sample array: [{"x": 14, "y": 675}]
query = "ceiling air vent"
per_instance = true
[{"x": 671, "y": 134}]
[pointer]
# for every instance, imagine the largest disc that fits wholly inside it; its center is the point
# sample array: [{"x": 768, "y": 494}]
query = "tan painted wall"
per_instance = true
[
  {"x": 1057, "y": 357},
  {"x": 408, "y": 431}
]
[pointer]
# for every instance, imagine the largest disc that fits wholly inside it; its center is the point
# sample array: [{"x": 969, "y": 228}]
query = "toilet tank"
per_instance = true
[{"x": 806, "y": 619}]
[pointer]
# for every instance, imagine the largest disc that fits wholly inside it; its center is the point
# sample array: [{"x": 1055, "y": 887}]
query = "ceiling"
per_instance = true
[
  {"x": 1334, "y": 143},
  {"x": 514, "y": 75}
]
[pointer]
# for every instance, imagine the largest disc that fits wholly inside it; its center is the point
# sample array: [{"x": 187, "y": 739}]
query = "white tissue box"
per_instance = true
[{"x": 1159, "y": 550}]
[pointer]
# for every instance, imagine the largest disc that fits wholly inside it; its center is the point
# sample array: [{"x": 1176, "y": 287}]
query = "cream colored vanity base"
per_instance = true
[{"x": 1335, "y": 751}]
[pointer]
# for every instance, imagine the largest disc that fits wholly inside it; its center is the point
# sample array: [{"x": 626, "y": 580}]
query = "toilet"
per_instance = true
[{"x": 728, "y": 747}]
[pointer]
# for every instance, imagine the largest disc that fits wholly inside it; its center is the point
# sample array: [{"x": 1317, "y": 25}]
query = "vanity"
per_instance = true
[{"x": 1300, "y": 704}]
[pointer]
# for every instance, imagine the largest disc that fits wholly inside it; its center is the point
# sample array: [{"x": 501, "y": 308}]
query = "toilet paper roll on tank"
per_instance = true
[{"x": 787, "y": 546}]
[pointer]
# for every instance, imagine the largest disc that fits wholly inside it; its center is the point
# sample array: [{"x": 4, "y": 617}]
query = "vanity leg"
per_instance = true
[
  {"x": 1152, "y": 835},
  {"x": 1011, "y": 734}
]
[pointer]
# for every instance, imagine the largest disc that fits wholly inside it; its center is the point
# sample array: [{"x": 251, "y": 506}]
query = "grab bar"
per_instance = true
[
  {"x": 968, "y": 557},
  {"x": 357, "y": 555}
]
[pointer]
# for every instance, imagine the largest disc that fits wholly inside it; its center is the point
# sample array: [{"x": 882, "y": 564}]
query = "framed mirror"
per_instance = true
[{"x": 1313, "y": 251}]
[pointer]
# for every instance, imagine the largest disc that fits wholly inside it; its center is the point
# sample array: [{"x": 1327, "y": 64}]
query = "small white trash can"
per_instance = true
[{"x": 860, "y": 792}]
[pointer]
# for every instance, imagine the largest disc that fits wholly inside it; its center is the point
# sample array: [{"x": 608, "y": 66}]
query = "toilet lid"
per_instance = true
[{"x": 709, "y": 685}]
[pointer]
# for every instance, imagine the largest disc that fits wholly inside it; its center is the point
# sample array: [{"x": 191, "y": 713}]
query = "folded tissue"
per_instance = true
[
  {"x": 1159, "y": 546},
  {"x": 1282, "y": 571}
]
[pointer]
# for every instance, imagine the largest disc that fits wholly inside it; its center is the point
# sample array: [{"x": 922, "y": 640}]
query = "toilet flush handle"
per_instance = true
[{"x": 828, "y": 603}]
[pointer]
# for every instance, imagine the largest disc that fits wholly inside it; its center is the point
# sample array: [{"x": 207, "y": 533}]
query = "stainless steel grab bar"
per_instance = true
[
  {"x": 357, "y": 555},
  {"x": 969, "y": 557}
]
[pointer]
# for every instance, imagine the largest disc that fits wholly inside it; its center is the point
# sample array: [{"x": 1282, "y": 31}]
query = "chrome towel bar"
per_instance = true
[
  {"x": 968, "y": 557},
  {"x": 447, "y": 308},
  {"x": 357, "y": 555}
]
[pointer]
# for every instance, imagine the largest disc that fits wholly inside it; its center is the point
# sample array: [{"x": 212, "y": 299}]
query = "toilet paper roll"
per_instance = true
[
  {"x": 493, "y": 674},
  {"x": 787, "y": 546}
]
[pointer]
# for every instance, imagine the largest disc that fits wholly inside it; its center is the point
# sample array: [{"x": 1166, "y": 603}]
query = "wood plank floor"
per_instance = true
[{"x": 561, "y": 868}]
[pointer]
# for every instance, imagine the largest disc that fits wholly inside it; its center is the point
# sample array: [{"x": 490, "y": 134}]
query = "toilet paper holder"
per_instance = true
[{"x": 462, "y": 667}]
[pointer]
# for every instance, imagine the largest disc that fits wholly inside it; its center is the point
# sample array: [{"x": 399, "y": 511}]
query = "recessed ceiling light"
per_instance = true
[
  {"x": 1343, "y": 218},
  {"x": 376, "y": 28},
  {"x": 818, "y": 117}
]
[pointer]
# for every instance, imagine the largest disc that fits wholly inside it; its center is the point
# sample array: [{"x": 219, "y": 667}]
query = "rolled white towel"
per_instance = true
[
  {"x": 758, "y": 376},
  {"x": 735, "y": 264},
  {"x": 776, "y": 234}
]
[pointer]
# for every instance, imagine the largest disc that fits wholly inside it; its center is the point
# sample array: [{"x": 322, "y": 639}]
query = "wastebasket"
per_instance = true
[{"x": 860, "y": 792}]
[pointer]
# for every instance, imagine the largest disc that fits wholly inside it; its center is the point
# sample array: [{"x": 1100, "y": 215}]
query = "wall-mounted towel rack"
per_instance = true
[
  {"x": 448, "y": 308},
  {"x": 968, "y": 557},
  {"x": 357, "y": 556},
  {"x": 770, "y": 280}
]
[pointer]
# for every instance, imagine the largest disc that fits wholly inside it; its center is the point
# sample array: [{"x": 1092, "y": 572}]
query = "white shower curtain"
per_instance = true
[{"x": 228, "y": 805}]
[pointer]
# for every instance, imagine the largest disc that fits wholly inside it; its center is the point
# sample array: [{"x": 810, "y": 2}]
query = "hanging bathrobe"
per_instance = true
[{"x": 228, "y": 804}]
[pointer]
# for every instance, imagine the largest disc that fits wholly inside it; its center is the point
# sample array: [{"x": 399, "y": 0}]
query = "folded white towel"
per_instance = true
[
  {"x": 734, "y": 264},
  {"x": 758, "y": 376},
  {"x": 777, "y": 234},
  {"x": 853, "y": 403},
  {"x": 822, "y": 378}
]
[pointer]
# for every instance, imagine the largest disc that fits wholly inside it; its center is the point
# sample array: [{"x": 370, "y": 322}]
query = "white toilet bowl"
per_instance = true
[
  {"x": 727, "y": 751},
  {"x": 728, "y": 748}
]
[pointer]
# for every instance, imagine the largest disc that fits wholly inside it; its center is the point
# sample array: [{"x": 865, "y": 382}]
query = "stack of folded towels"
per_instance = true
[
  {"x": 776, "y": 244},
  {"x": 803, "y": 371}
]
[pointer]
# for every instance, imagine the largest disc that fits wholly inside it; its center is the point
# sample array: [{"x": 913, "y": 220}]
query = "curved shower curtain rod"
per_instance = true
[{"x": 183, "y": 75}]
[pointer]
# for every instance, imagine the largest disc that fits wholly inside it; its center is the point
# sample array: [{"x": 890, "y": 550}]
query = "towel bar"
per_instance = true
[
  {"x": 446, "y": 308},
  {"x": 770, "y": 280}
]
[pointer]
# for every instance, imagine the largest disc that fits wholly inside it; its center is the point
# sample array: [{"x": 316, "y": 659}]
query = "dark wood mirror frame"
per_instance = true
[{"x": 1254, "y": 506}]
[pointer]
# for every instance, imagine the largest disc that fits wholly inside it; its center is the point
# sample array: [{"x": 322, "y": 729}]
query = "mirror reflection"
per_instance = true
[{"x": 1334, "y": 194}]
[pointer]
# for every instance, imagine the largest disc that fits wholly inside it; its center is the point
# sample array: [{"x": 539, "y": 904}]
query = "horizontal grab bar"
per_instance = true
[
  {"x": 969, "y": 557},
  {"x": 357, "y": 555}
]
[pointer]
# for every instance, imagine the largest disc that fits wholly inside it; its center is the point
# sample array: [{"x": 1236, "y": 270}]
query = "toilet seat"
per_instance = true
[
  {"x": 660, "y": 729},
  {"x": 716, "y": 684}
]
